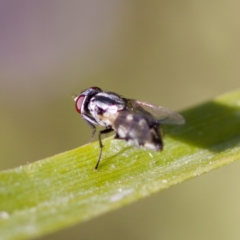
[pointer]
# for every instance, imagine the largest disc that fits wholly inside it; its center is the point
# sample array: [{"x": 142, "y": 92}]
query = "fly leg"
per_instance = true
[
  {"x": 90, "y": 122},
  {"x": 91, "y": 126},
  {"x": 93, "y": 131},
  {"x": 107, "y": 130}
]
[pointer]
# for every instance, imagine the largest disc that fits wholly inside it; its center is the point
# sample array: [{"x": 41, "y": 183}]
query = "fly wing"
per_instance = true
[{"x": 161, "y": 114}]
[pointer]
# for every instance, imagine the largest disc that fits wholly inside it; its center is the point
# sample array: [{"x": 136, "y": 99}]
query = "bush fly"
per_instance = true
[{"x": 134, "y": 121}]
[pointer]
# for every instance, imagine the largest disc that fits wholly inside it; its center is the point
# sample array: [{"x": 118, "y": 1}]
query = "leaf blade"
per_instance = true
[{"x": 65, "y": 189}]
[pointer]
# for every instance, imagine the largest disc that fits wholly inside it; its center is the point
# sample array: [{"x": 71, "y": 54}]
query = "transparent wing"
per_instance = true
[{"x": 161, "y": 114}]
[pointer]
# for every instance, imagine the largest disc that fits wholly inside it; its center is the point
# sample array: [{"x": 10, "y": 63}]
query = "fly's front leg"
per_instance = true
[
  {"x": 100, "y": 143},
  {"x": 93, "y": 131},
  {"x": 90, "y": 123}
]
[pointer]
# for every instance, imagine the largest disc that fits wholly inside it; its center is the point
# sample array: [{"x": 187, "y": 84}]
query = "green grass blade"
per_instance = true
[{"x": 63, "y": 190}]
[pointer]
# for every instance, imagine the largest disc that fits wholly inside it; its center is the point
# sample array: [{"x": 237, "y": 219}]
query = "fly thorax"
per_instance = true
[{"x": 103, "y": 112}]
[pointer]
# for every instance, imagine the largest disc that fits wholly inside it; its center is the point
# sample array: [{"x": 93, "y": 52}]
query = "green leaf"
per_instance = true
[{"x": 63, "y": 190}]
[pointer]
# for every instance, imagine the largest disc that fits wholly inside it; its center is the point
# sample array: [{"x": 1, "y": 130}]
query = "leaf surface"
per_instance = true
[{"x": 57, "y": 192}]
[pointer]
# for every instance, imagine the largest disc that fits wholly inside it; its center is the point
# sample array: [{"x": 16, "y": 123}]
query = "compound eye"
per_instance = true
[
  {"x": 79, "y": 102},
  {"x": 97, "y": 89}
]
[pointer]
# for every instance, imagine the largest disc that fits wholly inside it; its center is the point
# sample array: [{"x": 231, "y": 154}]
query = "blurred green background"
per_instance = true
[{"x": 172, "y": 53}]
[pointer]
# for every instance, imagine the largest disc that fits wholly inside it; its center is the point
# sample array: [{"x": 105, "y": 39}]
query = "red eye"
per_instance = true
[
  {"x": 97, "y": 89},
  {"x": 79, "y": 102}
]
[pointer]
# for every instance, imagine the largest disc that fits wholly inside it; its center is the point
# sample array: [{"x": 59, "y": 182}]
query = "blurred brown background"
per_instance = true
[{"x": 172, "y": 53}]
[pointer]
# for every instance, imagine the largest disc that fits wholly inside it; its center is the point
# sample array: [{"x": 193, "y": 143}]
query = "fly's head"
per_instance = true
[{"x": 82, "y": 100}]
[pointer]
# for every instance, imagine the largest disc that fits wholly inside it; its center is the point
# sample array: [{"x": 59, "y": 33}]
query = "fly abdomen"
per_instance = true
[
  {"x": 156, "y": 143},
  {"x": 138, "y": 130}
]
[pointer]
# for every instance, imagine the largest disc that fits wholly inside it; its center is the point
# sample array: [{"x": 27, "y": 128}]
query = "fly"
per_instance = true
[{"x": 134, "y": 121}]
